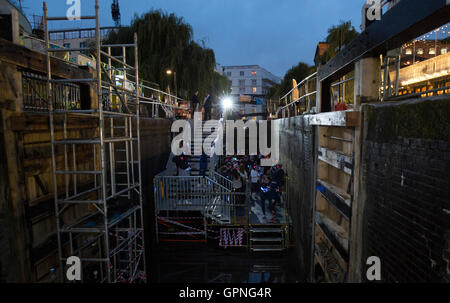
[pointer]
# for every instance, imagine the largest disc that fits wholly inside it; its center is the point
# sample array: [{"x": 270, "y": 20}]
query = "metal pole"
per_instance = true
[
  {"x": 52, "y": 138},
  {"x": 102, "y": 143},
  {"x": 138, "y": 131}
]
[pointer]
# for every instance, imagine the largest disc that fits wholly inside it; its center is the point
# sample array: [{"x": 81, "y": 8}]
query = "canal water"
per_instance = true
[{"x": 200, "y": 263}]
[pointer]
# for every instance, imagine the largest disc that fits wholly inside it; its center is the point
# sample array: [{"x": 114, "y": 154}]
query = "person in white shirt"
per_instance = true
[
  {"x": 238, "y": 186},
  {"x": 254, "y": 179}
]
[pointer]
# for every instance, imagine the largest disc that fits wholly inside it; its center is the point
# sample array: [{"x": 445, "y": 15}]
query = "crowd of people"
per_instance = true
[{"x": 265, "y": 183}]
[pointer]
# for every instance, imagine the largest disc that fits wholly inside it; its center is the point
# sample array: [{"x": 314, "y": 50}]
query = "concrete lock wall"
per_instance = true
[
  {"x": 155, "y": 151},
  {"x": 297, "y": 158},
  {"x": 403, "y": 193},
  {"x": 405, "y": 189}
]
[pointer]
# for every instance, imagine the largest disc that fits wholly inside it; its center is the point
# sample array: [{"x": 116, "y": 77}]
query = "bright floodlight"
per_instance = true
[
  {"x": 169, "y": 72},
  {"x": 227, "y": 103}
]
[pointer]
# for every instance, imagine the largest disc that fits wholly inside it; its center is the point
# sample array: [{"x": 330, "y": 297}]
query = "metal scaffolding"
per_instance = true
[{"x": 98, "y": 199}]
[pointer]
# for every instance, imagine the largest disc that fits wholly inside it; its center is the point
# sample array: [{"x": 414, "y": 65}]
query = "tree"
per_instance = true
[
  {"x": 298, "y": 72},
  {"x": 339, "y": 36},
  {"x": 165, "y": 42}
]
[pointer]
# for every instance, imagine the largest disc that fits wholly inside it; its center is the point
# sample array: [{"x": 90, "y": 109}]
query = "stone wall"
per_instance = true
[
  {"x": 297, "y": 158},
  {"x": 155, "y": 151},
  {"x": 405, "y": 186}
]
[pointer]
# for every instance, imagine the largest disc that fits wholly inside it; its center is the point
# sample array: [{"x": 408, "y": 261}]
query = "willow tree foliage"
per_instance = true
[
  {"x": 166, "y": 42},
  {"x": 297, "y": 72}
]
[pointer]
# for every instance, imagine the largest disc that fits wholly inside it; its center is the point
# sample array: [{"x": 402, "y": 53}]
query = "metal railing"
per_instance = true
[
  {"x": 65, "y": 96},
  {"x": 305, "y": 91},
  {"x": 219, "y": 203},
  {"x": 153, "y": 101}
]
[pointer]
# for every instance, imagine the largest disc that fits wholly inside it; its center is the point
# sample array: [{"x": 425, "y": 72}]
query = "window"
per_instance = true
[
  {"x": 242, "y": 73},
  {"x": 242, "y": 89},
  {"x": 432, "y": 51},
  {"x": 443, "y": 51},
  {"x": 408, "y": 51},
  {"x": 231, "y": 83},
  {"x": 253, "y": 73},
  {"x": 255, "y": 90},
  {"x": 253, "y": 82},
  {"x": 229, "y": 74},
  {"x": 83, "y": 45},
  {"x": 242, "y": 83},
  {"x": 420, "y": 51},
  {"x": 66, "y": 45}
]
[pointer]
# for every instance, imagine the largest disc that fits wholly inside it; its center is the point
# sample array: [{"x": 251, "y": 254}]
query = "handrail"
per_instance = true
[
  {"x": 299, "y": 84},
  {"x": 296, "y": 100}
]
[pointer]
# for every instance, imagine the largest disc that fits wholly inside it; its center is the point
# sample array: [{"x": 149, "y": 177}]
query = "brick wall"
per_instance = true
[
  {"x": 296, "y": 156},
  {"x": 405, "y": 177}
]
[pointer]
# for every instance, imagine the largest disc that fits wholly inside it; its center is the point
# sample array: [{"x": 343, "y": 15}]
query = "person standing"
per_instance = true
[
  {"x": 194, "y": 103},
  {"x": 264, "y": 194},
  {"x": 254, "y": 179},
  {"x": 203, "y": 164},
  {"x": 207, "y": 104},
  {"x": 238, "y": 186}
]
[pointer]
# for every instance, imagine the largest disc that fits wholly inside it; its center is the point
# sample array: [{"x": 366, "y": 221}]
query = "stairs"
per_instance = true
[
  {"x": 217, "y": 213},
  {"x": 198, "y": 137},
  {"x": 267, "y": 239}
]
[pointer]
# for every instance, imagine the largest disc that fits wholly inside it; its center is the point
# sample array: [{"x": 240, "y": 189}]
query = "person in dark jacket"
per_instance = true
[
  {"x": 277, "y": 174},
  {"x": 264, "y": 189},
  {"x": 207, "y": 104},
  {"x": 194, "y": 103},
  {"x": 203, "y": 164},
  {"x": 274, "y": 196}
]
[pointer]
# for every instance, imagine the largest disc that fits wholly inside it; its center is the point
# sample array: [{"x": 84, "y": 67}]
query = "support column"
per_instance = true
[
  {"x": 11, "y": 106},
  {"x": 366, "y": 89}
]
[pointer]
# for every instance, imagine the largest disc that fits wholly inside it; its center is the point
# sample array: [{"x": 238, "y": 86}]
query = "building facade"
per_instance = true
[
  {"x": 251, "y": 80},
  {"x": 249, "y": 85}
]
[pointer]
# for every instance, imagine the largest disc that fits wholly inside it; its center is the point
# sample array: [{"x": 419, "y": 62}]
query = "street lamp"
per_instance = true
[
  {"x": 169, "y": 72},
  {"x": 227, "y": 103}
]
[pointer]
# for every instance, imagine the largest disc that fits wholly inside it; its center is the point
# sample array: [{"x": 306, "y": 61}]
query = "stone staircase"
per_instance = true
[{"x": 198, "y": 137}]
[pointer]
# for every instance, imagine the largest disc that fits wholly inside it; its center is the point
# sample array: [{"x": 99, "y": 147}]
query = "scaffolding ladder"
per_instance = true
[{"x": 98, "y": 197}]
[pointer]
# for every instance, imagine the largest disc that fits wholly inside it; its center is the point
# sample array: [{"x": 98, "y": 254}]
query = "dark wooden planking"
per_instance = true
[
  {"x": 335, "y": 198},
  {"x": 35, "y": 61},
  {"x": 327, "y": 231},
  {"x": 336, "y": 159}
]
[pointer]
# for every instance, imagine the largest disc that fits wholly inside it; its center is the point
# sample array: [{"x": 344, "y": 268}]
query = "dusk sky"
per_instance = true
[{"x": 273, "y": 34}]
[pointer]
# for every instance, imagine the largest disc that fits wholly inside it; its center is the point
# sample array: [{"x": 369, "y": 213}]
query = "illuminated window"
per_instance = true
[
  {"x": 432, "y": 51},
  {"x": 408, "y": 51},
  {"x": 254, "y": 89},
  {"x": 420, "y": 51},
  {"x": 443, "y": 51},
  {"x": 253, "y": 73}
]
